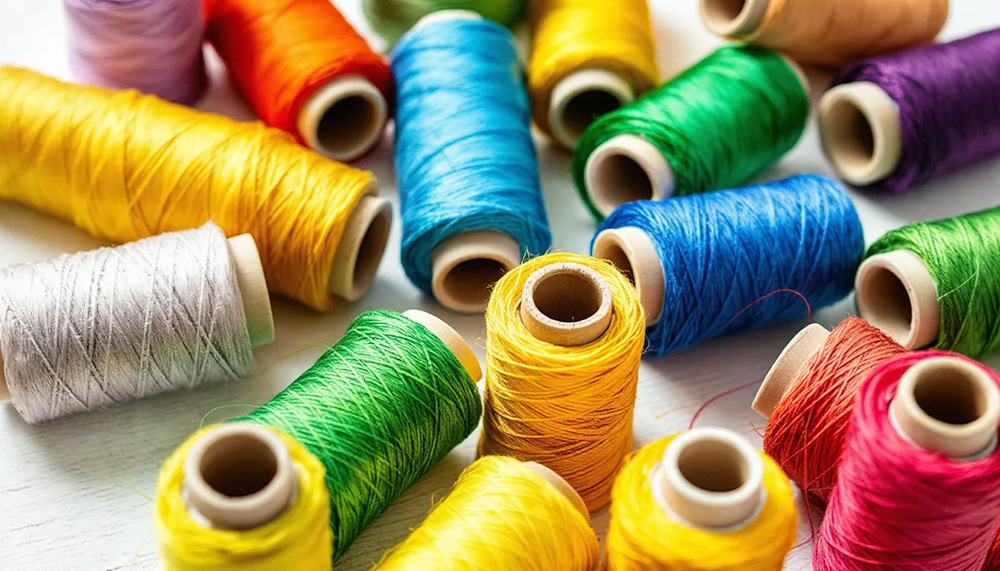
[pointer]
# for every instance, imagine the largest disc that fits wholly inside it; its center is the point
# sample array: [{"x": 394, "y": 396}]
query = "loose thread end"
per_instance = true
[{"x": 786, "y": 368}]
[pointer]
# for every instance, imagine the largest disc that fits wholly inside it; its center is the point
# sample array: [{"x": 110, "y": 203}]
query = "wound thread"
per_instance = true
[{"x": 392, "y": 18}]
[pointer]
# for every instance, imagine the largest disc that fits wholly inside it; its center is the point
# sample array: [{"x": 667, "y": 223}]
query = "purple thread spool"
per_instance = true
[
  {"x": 894, "y": 122},
  {"x": 150, "y": 45}
]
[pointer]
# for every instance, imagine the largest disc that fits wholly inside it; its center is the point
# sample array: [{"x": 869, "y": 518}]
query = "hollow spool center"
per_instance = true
[
  {"x": 733, "y": 17},
  {"x": 344, "y": 118},
  {"x": 566, "y": 304}
]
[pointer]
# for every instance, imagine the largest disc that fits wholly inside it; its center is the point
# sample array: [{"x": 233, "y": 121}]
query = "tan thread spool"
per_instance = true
[
  {"x": 781, "y": 377},
  {"x": 343, "y": 119},
  {"x": 861, "y": 132},
  {"x": 631, "y": 250},
  {"x": 711, "y": 478},
  {"x": 896, "y": 293},
  {"x": 561, "y": 485},
  {"x": 361, "y": 247},
  {"x": 947, "y": 405},
  {"x": 566, "y": 304},
  {"x": 582, "y": 96}
]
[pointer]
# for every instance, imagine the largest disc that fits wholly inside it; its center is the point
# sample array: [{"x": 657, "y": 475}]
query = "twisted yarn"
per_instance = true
[
  {"x": 150, "y": 45},
  {"x": 296, "y": 540},
  {"x": 740, "y": 259},
  {"x": 499, "y": 515},
  {"x": 464, "y": 155},
  {"x": 567, "y": 408},
  {"x": 718, "y": 124},
  {"x": 91, "y": 330},
  {"x": 379, "y": 409},
  {"x": 391, "y": 18},
  {"x": 140, "y": 166}
]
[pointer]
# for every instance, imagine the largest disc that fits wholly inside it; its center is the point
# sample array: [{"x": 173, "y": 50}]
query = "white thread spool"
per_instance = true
[
  {"x": 632, "y": 251},
  {"x": 781, "y": 377},
  {"x": 566, "y": 304},
  {"x": 361, "y": 247},
  {"x": 626, "y": 168},
  {"x": 896, "y": 293},
  {"x": 578, "y": 99},
  {"x": 710, "y": 478},
  {"x": 861, "y": 132}
]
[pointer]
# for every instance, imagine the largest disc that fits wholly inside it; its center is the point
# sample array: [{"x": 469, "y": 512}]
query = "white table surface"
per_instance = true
[{"x": 76, "y": 493}]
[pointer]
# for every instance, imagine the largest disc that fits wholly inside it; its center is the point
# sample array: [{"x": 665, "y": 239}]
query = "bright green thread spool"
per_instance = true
[
  {"x": 392, "y": 18},
  {"x": 961, "y": 255},
  {"x": 379, "y": 409},
  {"x": 715, "y": 126}
]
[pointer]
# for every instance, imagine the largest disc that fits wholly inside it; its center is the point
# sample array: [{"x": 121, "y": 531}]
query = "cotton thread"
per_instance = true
[
  {"x": 898, "y": 506},
  {"x": 153, "y": 46},
  {"x": 572, "y": 35},
  {"x": 464, "y": 155},
  {"x": 945, "y": 94},
  {"x": 391, "y": 18},
  {"x": 805, "y": 433},
  {"x": 87, "y": 331},
  {"x": 141, "y": 167},
  {"x": 718, "y": 124},
  {"x": 298, "y": 539},
  {"x": 568, "y": 408},
  {"x": 837, "y": 32},
  {"x": 642, "y": 535},
  {"x": 499, "y": 515},
  {"x": 379, "y": 409},
  {"x": 956, "y": 252},
  {"x": 745, "y": 258}
]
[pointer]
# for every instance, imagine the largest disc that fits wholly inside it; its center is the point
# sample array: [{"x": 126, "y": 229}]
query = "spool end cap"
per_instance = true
[
  {"x": 786, "y": 367},
  {"x": 632, "y": 251}
]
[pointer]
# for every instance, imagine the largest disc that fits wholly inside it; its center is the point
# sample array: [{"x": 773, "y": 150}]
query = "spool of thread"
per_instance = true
[
  {"x": 564, "y": 339},
  {"x": 150, "y": 45},
  {"x": 502, "y": 514},
  {"x": 919, "y": 484},
  {"x": 712, "y": 264},
  {"x": 242, "y": 497},
  {"x": 305, "y": 70},
  {"x": 934, "y": 283},
  {"x": 468, "y": 174},
  {"x": 391, "y": 18},
  {"x": 587, "y": 58},
  {"x": 379, "y": 409},
  {"x": 91, "y": 330},
  {"x": 831, "y": 33},
  {"x": 141, "y": 167},
  {"x": 897, "y": 121},
  {"x": 703, "y": 500},
  {"x": 717, "y": 125},
  {"x": 808, "y": 397}
]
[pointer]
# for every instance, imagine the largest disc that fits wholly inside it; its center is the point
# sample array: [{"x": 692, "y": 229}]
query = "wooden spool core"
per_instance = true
[
  {"x": 861, "y": 132},
  {"x": 626, "y": 168},
  {"x": 786, "y": 367},
  {"x": 580, "y": 98},
  {"x": 631, "y": 250},
  {"x": 896, "y": 293},
  {"x": 451, "y": 338},
  {"x": 566, "y": 304},
  {"x": 343, "y": 119},
  {"x": 734, "y": 18},
  {"x": 465, "y": 266},
  {"x": 361, "y": 248},
  {"x": 562, "y": 486}
]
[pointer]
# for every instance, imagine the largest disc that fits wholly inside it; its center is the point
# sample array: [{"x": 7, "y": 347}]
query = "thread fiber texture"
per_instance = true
[
  {"x": 499, "y": 515},
  {"x": 87, "y": 331},
  {"x": 740, "y": 259},
  {"x": 296, "y": 540},
  {"x": 391, "y": 18},
  {"x": 464, "y": 155},
  {"x": 379, "y": 409},
  {"x": 805, "y": 433},
  {"x": 718, "y": 124},
  {"x": 567, "y": 408},
  {"x": 959, "y": 253},
  {"x": 643, "y": 536},
  {"x": 897, "y": 506},
  {"x": 947, "y": 96},
  {"x": 281, "y": 51},
  {"x": 150, "y": 45},
  {"x": 836, "y": 32},
  {"x": 572, "y": 35},
  {"x": 141, "y": 166}
]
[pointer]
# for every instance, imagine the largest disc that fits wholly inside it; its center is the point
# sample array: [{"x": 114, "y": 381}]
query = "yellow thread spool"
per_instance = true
[
  {"x": 703, "y": 500},
  {"x": 125, "y": 166},
  {"x": 588, "y": 57},
  {"x": 501, "y": 514},
  {"x": 565, "y": 334},
  {"x": 243, "y": 496}
]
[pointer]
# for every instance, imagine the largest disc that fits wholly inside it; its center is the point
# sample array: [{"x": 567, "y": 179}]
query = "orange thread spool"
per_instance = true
[{"x": 305, "y": 70}]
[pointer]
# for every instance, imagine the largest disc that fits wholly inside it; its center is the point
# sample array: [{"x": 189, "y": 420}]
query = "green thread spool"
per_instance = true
[
  {"x": 379, "y": 409},
  {"x": 936, "y": 283},
  {"x": 392, "y": 18},
  {"x": 715, "y": 126}
]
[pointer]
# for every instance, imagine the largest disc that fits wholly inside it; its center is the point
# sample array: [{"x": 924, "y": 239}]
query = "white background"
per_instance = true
[{"x": 76, "y": 493}]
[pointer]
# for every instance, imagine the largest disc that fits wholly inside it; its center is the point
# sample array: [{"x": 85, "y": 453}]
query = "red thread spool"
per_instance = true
[
  {"x": 305, "y": 70},
  {"x": 817, "y": 378}
]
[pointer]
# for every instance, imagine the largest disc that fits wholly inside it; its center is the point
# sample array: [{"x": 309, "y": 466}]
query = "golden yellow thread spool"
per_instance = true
[
  {"x": 125, "y": 166},
  {"x": 243, "y": 496},
  {"x": 703, "y": 500},
  {"x": 564, "y": 336},
  {"x": 588, "y": 57},
  {"x": 501, "y": 514}
]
